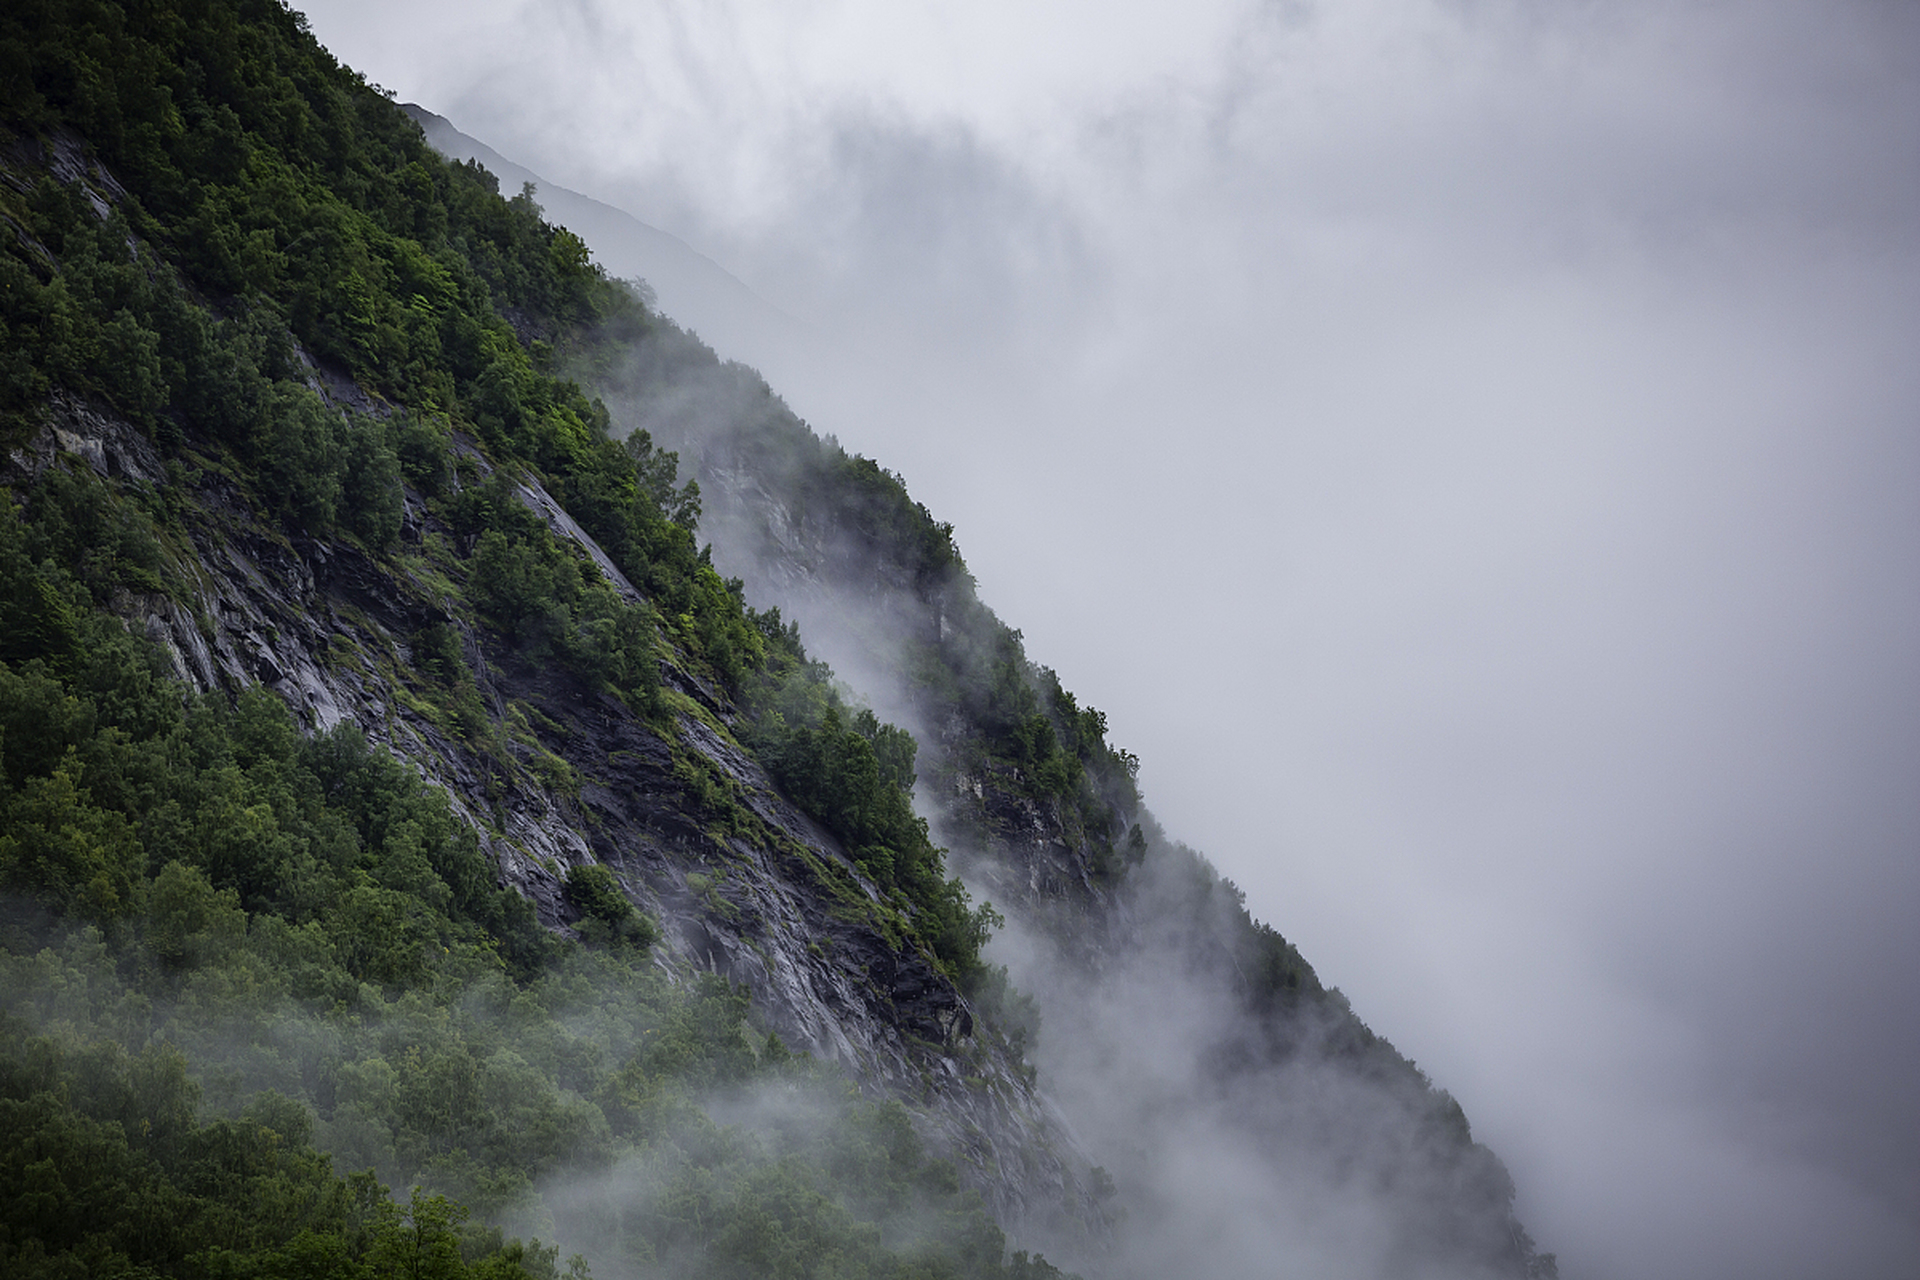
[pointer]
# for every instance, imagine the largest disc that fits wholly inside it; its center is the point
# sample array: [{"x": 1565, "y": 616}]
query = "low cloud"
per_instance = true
[{"x": 1468, "y": 450}]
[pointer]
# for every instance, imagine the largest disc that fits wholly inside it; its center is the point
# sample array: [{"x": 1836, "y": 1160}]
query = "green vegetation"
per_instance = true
[
  {"x": 856, "y": 775},
  {"x": 196, "y": 889},
  {"x": 107, "y": 1172},
  {"x": 283, "y": 214},
  {"x": 228, "y": 945},
  {"x": 605, "y": 914},
  {"x": 546, "y": 601},
  {"x": 1007, "y": 717}
]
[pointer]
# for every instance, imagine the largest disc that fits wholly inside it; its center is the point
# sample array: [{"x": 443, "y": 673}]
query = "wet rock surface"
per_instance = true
[{"x": 778, "y": 906}]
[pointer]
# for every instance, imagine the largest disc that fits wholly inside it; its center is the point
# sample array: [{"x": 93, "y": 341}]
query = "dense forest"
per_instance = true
[
  {"x": 416, "y": 856},
  {"x": 232, "y": 941}
]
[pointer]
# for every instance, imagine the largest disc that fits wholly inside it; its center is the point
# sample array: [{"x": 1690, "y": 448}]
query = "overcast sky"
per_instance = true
[{"x": 1471, "y": 451}]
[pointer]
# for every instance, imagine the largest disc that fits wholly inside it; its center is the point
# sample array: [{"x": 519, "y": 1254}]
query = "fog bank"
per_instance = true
[{"x": 1469, "y": 450}]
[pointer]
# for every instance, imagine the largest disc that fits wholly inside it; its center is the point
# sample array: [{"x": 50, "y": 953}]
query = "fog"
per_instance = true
[
  {"x": 1470, "y": 450},
  {"x": 1226, "y": 1163}
]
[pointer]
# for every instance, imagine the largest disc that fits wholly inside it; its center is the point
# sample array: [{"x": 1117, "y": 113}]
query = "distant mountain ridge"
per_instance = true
[{"x": 696, "y": 291}]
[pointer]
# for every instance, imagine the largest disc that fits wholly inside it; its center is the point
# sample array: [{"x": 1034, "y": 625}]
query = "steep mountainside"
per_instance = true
[
  {"x": 1179, "y": 1035},
  {"x": 555, "y": 774},
  {"x": 387, "y": 776}
]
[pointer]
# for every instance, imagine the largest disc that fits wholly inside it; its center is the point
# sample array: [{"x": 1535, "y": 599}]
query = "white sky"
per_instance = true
[{"x": 1472, "y": 452}]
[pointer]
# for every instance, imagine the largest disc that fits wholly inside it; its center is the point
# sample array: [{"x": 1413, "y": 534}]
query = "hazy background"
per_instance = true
[{"x": 1471, "y": 451}]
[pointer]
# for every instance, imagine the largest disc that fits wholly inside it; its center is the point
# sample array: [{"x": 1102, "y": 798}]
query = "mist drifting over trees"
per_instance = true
[
  {"x": 1464, "y": 453},
  {"x": 1508, "y": 405}
]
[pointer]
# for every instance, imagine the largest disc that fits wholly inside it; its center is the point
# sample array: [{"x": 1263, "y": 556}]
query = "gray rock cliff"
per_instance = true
[{"x": 773, "y": 902}]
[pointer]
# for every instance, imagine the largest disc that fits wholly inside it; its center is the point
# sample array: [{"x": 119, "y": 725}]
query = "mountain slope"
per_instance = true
[
  {"x": 278, "y": 407},
  {"x": 389, "y": 777},
  {"x": 1245, "y": 1112}
]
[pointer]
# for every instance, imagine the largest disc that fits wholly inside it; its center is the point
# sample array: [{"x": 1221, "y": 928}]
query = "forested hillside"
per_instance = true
[
  {"x": 253, "y": 326},
  {"x": 412, "y": 845}
]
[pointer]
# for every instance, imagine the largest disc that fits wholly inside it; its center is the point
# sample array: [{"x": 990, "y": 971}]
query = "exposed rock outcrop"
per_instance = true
[{"x": 773, "y": 902}]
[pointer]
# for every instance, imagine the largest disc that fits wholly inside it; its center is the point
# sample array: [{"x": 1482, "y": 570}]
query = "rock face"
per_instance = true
[{"x": 773, "y": 902}]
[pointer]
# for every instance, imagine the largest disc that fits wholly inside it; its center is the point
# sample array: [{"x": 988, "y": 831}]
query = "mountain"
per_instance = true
[{"x": 395, "y": 793}]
